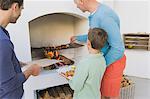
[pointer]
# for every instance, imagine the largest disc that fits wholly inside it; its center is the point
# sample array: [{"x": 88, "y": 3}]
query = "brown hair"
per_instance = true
[
  {"x": 6, "y": 4},
  {"x": 97, "y": 37}
]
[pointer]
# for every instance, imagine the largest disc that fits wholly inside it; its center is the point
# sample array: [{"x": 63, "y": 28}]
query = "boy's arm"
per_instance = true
[
  {"x": 80, "y": 76},
  {"x": 115, "y": 41}
]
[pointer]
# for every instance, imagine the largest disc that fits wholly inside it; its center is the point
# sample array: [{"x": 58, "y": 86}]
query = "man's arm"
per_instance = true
[
  {"x": 82, "y": 38},
  {"x": 9, "y": 79}
]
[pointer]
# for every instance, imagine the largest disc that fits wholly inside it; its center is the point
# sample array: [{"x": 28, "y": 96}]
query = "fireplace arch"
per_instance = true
[
  {"x": 54, "y": 29},
  {"x": 37, "y": 8}
]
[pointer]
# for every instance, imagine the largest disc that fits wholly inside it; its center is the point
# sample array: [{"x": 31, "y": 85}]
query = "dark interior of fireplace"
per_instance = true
[{"x": 57, "y": 92}]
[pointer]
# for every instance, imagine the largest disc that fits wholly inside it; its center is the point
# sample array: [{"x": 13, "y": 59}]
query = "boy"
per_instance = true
[{"x": 89, "y": 72}]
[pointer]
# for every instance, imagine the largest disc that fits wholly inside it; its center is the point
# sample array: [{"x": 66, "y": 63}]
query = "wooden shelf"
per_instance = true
[
  {"x": 137, "y": 38},
  {"x": 137, "y": 41},
  {"x": 135, "y": 45}
]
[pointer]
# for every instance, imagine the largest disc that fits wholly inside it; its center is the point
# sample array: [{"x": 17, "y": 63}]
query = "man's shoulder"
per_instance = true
[
  {"x": 5, "y": 43},
  {"x": 3, "y": 36}
]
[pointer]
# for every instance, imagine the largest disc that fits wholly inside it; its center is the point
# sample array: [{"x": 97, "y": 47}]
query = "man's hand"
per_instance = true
[
  {"x": 32, "y": 70},
  {"x": 36, "y": 69},
  {"x": 73, "y": 39}
]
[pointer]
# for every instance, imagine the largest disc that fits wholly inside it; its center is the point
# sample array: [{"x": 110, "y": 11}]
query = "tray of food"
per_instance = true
[
  {"x": 63, "y": 46},
  {"x": 55, "y": 66},
  {"x": 75, "y": 45},
  {"x": 67, "y": 71},
  {"x": 64, "y": 62}
]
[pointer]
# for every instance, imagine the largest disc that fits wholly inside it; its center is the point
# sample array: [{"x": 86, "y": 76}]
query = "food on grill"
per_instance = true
[
  {"x": 64, "y": 46},
  {"x": 52, "y": 54},
  {"x": 58, "y": 48},
  {"x": 66, "y": 60},
  {"x": 57, "y": 56},
  {"x": 75, "y": 45},
  {"x": 50, "y": 67}
]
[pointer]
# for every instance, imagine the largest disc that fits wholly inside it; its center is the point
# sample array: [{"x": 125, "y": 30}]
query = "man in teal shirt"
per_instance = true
[
  {"x": 102, "y": 16},
  {"x": 89, "y": 72}
]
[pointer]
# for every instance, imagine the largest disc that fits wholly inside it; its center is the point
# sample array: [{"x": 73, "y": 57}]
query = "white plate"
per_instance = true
[{"x": 63, "y": 70}]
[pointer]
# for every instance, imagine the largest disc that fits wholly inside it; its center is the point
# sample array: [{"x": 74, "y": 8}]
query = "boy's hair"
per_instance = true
[
  {"x": 97, "y": 37},
  {"x": 6, "y": 4}
]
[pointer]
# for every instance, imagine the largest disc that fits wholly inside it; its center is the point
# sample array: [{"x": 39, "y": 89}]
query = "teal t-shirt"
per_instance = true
[
  {"x": 107, "y": 19},
  {"x": 87, "y": 78}
]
